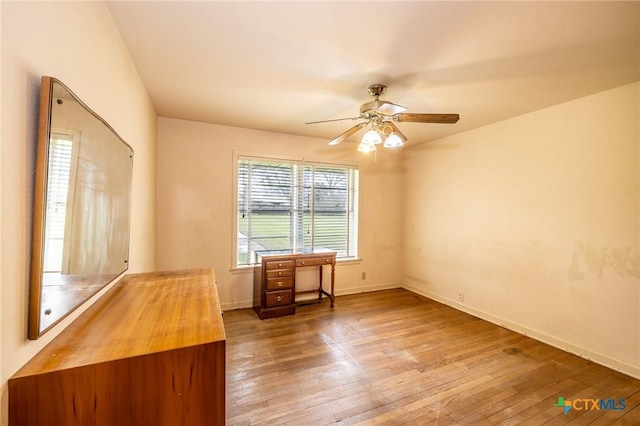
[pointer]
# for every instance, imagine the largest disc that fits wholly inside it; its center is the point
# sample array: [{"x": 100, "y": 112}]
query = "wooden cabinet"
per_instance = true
[
  {"x": 150, "y": 351},
  {"x": 274, "y": 292}
]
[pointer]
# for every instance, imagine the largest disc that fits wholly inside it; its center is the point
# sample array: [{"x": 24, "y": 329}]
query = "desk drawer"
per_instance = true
[
  {"x": 279, "y": 283},
  {"x": 280, "y": 273},
  {"x": 314, "y": 262},
  {"x": 280, "y": 264},
  {"x": 278, "y": 298}
]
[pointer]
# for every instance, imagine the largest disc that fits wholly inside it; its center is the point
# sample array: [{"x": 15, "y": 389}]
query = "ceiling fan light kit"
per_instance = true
[
  {"x": 381, "y": 115},
  {"x": 372, "y": 137},
  {"x": 393, "y": 141},
  {"x": 380, "y": 131}
]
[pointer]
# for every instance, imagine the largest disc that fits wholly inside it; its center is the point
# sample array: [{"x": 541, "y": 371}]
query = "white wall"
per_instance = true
[
  {"x": 195, "y": 198},
  {"x": 536, "y": 220},
  {"x": 78, "y": 43}
]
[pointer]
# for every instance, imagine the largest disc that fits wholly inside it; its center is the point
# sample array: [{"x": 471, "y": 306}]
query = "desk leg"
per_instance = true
[
  {"x": 320, "y": 285},
  {"x": 333, "y": 277}
]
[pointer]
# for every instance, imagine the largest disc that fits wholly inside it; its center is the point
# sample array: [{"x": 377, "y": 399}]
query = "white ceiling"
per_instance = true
[{"x": 276, "y": 65}]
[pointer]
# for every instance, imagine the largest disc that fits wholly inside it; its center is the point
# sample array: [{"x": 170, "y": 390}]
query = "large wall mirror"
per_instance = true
[{"x": 81, "y": 207}]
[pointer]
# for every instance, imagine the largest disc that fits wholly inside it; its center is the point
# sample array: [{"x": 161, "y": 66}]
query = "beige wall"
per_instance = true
[
  {"x": 195, "y": 197},
  {"x": 536, "y": 221},
  {"x": 78, "y": 43}
]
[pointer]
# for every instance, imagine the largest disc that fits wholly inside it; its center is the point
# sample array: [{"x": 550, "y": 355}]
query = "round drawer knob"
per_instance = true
[
  {"x": 279, "y": 265},
  {"x": 279, "y": 283},
  {"x": 279, "y": 299},
  {"x": 279, "y": 273},
  {"x": 303, "y": 262}
]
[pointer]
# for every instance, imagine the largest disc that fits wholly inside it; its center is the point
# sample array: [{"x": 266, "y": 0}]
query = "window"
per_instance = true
[
  {"x": 285, "y": 206},
  {"x": 61, "y": 169}
]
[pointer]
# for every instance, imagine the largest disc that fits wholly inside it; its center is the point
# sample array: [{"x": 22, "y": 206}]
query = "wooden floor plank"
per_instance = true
[{"x": 394, "y": 357}]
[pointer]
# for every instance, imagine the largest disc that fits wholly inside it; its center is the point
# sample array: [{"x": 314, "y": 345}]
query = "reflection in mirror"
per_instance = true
[{"x": 81, "y": 207}]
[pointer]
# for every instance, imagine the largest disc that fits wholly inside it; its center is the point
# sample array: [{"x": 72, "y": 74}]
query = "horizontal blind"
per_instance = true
[
  {"x": 285, "y": 206},
  {"x": 58, "y": 172}
]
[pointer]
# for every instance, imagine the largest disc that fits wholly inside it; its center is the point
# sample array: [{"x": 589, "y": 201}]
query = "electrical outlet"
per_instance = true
[
  {"x": 460, "y": 297},
  {"x": 364, "y": 275}
]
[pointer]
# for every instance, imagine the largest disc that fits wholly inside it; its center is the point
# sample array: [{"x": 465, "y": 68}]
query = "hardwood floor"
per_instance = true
[{"x": 394, "y": 357}]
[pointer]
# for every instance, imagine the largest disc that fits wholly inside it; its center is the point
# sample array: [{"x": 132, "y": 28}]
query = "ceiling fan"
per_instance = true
[{"x": 381, "y": 115}]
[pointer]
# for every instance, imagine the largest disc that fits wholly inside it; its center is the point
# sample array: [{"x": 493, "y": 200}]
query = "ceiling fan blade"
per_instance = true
[
  {"x": 345, "y": 135},
  {"x": 335, "y": 119},
  {"x": 408, "y": 117}
]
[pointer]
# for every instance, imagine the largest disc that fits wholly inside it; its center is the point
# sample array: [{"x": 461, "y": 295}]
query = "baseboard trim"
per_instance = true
[
  {"x": 601, "y": 359},
  {"x": 368, "y": 289},
  {"x": 232, "y": 306}
]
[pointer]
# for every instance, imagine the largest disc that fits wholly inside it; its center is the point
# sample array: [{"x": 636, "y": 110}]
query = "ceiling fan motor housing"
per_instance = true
[{"x": 378, "y": 107}]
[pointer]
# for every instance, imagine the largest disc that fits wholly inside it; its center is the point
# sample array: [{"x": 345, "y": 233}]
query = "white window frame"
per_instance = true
[{"x": 275, "y": 158}]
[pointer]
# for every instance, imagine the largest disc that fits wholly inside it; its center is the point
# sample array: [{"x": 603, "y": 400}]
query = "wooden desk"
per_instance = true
[
  {"x": 150, "y": 351},
  {"x": 274, "y": 281}
]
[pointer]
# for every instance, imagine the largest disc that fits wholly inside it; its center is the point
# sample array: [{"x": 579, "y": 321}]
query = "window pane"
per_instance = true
[
  {"x": 353, "y": 209},
  {"x": 329, "y": 209}
]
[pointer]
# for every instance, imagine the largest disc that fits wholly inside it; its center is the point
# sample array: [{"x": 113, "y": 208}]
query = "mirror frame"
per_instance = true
[{"x": 39, "y": 211}]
